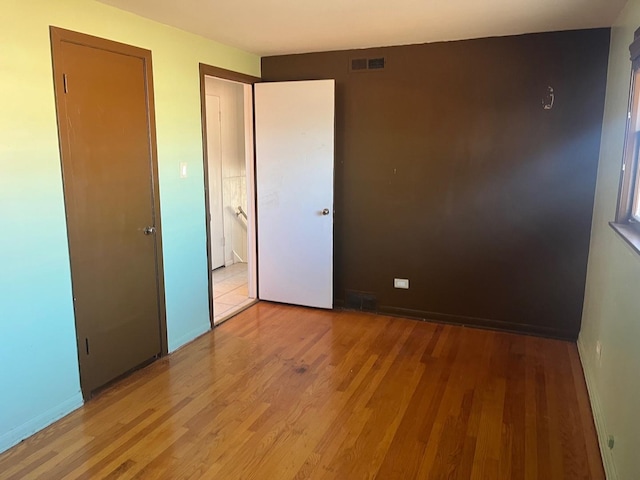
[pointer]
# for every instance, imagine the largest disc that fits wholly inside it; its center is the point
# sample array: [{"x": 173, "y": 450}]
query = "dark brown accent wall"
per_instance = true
[{"x": 450, "y": 173}]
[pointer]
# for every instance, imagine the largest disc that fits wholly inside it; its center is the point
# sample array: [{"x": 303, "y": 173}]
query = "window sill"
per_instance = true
[{"x": 630, "y": 234}]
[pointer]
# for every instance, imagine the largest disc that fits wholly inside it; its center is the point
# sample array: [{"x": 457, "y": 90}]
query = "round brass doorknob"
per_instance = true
[
  {"x": 149, "y": 230},
  {"x": 325, "y": 211}
]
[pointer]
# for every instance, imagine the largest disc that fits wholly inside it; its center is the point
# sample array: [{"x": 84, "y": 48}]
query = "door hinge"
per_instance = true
[
  {"x": 64, "y": 82},
  {"x": 86, "y": 344}
]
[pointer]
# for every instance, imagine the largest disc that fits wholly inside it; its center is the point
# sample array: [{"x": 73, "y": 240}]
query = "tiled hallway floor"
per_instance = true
[{"x": 230, "y": 290}]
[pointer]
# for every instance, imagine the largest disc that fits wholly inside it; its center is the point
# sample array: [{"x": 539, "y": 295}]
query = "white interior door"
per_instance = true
[
  {"x": 214, "y": 166},
  {"x": 294, "y": 176}
]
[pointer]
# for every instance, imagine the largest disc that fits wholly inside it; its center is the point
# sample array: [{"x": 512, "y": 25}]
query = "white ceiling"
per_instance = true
[{"x": 272, "y": 27}]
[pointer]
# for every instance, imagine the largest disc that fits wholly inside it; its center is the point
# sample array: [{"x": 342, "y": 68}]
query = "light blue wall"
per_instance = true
[{"x": 38, "y": 360}]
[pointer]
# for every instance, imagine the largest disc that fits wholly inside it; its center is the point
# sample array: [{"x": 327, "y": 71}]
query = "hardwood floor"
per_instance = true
[{"x": 283, "y": 392}]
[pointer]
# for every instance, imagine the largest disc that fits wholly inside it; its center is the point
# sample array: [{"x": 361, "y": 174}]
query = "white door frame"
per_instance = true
[{"x": 249, "y": 149}]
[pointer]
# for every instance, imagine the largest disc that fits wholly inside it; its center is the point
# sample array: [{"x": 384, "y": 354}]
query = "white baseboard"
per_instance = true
[
  {"x": 15, "y": 436},
  {"x": 601, "y": 428}
]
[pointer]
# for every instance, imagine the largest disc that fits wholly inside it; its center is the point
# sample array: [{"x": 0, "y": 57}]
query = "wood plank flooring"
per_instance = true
[{"x": 282, "y": 392}]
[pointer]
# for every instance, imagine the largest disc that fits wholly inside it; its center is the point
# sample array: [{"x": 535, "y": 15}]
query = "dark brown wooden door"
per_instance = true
[{"x": 108, "y": 161}]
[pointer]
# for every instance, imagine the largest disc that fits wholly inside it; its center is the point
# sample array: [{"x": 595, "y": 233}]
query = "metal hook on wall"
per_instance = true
[{"x": 547, "y": 103}]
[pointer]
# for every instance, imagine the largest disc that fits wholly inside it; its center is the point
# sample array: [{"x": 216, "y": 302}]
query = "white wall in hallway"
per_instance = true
[{"x": 233, "y": 184}]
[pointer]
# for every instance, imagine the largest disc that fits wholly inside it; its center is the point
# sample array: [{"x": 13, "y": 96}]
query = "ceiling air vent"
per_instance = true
[
  {"x": 375, "y": 63},
  {"x": 364, "y": 64}
]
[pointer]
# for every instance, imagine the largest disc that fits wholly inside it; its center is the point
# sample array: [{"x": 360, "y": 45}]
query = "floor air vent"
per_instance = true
[{"x": 361, "y": 301}]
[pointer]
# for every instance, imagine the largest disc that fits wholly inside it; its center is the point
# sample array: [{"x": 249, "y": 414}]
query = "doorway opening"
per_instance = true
[{"x": 227, "y": 114}]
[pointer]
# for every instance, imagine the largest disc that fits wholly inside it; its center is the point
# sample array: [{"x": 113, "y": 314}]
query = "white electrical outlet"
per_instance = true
[
  {"x": 599, "y": 352},
  {"x": 401, "y": 283},
  {"x": 183, "y": 170}
]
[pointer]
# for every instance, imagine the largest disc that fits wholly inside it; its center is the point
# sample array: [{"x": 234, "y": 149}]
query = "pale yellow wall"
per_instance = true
[
  {"x": 612, "y": 302},
  {"x": 38, "y": 357}
]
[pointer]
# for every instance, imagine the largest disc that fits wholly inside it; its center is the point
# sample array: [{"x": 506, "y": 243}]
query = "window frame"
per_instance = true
[{"x": 627, "y": 219}]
